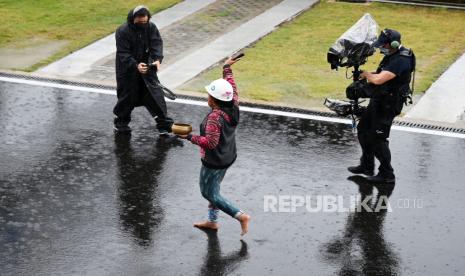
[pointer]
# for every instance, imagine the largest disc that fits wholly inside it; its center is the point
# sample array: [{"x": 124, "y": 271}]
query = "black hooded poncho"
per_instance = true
[{"x": 133, "y": 46}]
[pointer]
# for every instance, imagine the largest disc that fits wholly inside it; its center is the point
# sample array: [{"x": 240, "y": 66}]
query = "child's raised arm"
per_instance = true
[{"x": 228, "y": 76}]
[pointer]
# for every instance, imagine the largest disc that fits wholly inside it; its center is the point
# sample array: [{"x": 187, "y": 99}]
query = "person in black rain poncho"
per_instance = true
[{"x": 139, "y": 53}]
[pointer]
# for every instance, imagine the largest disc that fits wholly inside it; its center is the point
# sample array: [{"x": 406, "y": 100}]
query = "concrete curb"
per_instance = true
[{"x": 78, "y": 85}]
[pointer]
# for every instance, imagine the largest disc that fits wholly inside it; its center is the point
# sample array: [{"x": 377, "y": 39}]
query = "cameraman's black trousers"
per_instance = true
[{"x": 373, "y": 133}]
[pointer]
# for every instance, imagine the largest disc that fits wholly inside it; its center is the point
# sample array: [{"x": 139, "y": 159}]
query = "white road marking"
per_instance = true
[{"x": 243, "y": 108}]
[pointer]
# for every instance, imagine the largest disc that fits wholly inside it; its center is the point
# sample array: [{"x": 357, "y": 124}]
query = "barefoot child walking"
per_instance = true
[{"x": 218, "y": 147}]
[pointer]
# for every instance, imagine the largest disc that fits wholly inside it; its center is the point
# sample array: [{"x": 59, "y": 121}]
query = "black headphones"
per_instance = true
[{"x": 394, "y": 43}]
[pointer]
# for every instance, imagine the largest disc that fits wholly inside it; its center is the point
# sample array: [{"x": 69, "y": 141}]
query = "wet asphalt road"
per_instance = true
[{"x": 77, "y": 200}]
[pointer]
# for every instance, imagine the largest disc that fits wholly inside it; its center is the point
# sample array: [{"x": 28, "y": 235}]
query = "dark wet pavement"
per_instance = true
[{"x": 76, "y": 200}]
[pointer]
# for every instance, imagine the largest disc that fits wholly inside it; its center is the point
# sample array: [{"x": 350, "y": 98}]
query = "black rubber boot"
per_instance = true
[
  {"x": 164, "y": 125},
  {"x": 121, "y": 128}
]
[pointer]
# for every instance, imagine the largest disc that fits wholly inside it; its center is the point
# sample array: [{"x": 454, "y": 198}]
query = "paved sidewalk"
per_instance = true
[
  {"x": 84, "y": 60},
  {"x": 195, "y": 63},
  {"x": 192, "y": 33},
  {"x": 444, "y": 101},
  {"x": 192, "y": 42},
  {"x": 185, "y": 28}
]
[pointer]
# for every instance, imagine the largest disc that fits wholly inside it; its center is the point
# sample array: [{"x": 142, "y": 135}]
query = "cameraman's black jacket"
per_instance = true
[
  {"x": 392, "y": 94},
  {"x": 133, "y": 46}
]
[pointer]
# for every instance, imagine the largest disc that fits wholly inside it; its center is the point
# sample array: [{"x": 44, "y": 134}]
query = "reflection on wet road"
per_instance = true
[
  {"x": 217, "y": 263},
  {"x": 138, "y": 179},
  {"x": 77, "y": 200},
  {"x": 364, "y": 236}
]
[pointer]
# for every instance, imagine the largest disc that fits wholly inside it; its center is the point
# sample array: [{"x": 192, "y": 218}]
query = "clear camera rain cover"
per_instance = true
[{"x": 354, "y": 45}]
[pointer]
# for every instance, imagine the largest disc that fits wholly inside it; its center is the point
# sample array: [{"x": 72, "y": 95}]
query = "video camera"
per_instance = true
[{"x": 352, "y": 49}]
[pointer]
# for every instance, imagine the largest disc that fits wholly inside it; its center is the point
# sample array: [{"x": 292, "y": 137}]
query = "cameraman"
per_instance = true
[
  {"x": 139, "y": 52},
  {"x": 390, "y": 87}
]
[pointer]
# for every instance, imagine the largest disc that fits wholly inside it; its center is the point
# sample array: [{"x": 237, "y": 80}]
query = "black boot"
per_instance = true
[
  {"x": 164, "y": 125},
  {"x": 121, "y": 125},
  {"x": 121, "y": 128},
  {"x": 361, "y": 170}
]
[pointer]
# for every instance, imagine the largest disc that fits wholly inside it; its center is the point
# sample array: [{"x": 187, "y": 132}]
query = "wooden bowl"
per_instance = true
[{"x": 181, "y": 129}]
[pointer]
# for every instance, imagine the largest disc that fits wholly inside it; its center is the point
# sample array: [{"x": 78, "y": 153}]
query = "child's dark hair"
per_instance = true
[
  {"x": 223, "y": 104},
  {"x": 229, "y": 108}
]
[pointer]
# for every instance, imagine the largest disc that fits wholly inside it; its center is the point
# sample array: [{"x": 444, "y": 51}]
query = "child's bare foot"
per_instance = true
[
  {"x": 244, "y": 220},
  {"x": 207, "y": 225}
]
